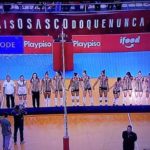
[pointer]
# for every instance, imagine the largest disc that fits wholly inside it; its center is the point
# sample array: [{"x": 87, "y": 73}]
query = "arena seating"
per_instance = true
[{"x": 74, "y": 7}]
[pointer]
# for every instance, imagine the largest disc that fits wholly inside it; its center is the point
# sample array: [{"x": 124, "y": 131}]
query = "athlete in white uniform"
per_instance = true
[
  {"x": 58, "y": 83},
  {"x": 139, "y": 80},
  {"x": 86, "y": 86},
  {"x": 147, "y": 83},
  {"x": 46, "y": 88},
  {"x": 127, "y": 88},
  {"x": 22, "y": 91},
  {"x": 103, "y": 87},
  {"x": 74, "y": 84},
  {"x": 116, "y": 90}
]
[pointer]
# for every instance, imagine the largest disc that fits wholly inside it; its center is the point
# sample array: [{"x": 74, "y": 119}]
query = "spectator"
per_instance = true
[
  {"x": 118, "y": 4},
  {"x": 111, "y": 5},
  {"x": 97, "y": 5}
]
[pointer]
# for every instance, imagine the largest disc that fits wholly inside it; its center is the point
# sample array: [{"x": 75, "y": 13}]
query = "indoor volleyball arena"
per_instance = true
[{"x": 75, "y": 75}]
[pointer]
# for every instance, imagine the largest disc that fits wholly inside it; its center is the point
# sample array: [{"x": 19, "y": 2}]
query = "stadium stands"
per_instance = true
[{"x": 73, "y": 7}]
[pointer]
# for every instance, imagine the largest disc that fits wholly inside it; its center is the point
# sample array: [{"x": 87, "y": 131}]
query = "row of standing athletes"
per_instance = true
[{"x": 46, "y": 85}]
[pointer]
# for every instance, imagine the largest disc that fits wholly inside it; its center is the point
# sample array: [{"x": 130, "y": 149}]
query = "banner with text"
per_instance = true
[
  {"x": 38, "y": 44},
  {"x": 111, "y": 43},
  {"x": 11, "y": 45},
  {"x": 51, "y": 24}
]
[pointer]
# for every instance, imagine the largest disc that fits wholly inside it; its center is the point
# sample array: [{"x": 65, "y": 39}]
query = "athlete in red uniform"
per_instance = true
[
  {"x": 103, "y": 87},
  {"x": 75, "y": 82},
  {"x": 86, "y": 86}
]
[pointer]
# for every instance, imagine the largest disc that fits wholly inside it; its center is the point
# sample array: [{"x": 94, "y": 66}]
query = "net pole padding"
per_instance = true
[{"x": 66, "y": 136}]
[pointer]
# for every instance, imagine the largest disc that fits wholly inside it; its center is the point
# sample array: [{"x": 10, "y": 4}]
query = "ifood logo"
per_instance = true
[
  {"x": 37, "y": 45},
  {"x": 86, "y": 44},
  {"x": 7, "y": 45},
  {"x": 129, "y": 42}
]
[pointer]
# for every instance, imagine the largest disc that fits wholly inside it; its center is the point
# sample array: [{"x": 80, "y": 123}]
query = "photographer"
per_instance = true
[{"x": 18, "y": 114}]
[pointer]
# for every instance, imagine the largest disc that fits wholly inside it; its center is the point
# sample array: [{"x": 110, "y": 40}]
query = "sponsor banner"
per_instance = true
[
  {"x": 111, "y": 43},
  {"x": 51, "y": 24},
  {"x": 11, "y": 44},
  {"x": 38, "y": 44},
  {"x": 86, "y": 43}
]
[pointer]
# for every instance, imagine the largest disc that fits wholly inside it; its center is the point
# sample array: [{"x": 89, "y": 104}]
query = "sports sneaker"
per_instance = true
[{"x": 22, "y": 142}]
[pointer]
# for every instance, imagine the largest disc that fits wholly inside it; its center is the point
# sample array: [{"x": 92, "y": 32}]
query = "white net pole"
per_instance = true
[{"x": 64, "y": 89}]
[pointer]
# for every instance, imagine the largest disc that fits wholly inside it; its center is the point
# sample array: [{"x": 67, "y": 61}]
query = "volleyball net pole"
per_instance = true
[{"x": 66, "y": 136}]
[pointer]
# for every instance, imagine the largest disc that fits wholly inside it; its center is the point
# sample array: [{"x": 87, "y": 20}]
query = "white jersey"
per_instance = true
[
  {"x": 22, "y": 88},
  {"x": 9, "y": 87}
]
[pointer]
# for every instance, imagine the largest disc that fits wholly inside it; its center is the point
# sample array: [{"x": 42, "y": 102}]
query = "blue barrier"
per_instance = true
[
  {"x": 11, "y": 45},
  {"x": 84, "y": 109}
]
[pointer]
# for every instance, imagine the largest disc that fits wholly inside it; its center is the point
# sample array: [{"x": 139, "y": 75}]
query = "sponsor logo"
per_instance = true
[
  {"x": 92, "y": 43},
  {"x": 11, "y": 45},
  {"x": 37, "y": 45},
  {"x": 129, "y": 42},
  {"x": 7, "y": 45}
]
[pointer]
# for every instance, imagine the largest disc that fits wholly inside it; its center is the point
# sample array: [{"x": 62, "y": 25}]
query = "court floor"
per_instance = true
[{"x": 86, "y": 131}]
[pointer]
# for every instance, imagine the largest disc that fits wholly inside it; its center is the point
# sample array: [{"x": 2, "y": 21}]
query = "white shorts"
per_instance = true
[{"x": 22, "y": 91}]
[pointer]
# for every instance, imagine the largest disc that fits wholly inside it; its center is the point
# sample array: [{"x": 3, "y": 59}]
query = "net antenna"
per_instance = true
[{"x": 66, "y": 136}]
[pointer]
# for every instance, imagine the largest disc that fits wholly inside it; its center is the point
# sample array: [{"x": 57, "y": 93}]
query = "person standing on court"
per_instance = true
[
  {"x": 35, "y": 90},
  {"x": 46, "y": 87},
  {"x": 18, "y": 114},
  {"x": 6, "y": 131},
  {"x": 129, "y": 138},
  {"x": 9, "y": 91}
]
